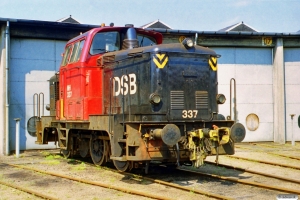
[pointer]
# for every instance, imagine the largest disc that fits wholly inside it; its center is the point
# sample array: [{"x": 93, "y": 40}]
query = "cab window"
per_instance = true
[
  {"x": 105, "y": 42},
  {"x": 66, "y": 55},
  {"x": 146, "y": 41},
  {"x": 76, "y": 51}
]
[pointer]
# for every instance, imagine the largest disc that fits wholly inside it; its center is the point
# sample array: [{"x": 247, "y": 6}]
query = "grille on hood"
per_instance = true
[
  {"x": 108, "y": 59},
  {"x": 177, "y": 100},
  {"x": 201, "y": 99}
]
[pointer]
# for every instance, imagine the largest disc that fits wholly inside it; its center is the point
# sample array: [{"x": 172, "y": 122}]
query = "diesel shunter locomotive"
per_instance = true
[{"x": 123, "y": 96}]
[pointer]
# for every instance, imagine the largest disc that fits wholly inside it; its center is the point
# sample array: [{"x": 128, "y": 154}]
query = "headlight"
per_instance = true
[
  {"x": 188, "y": 43},
  {"x": 221, "y": 98},
  {"x": 154, "y": 98}
]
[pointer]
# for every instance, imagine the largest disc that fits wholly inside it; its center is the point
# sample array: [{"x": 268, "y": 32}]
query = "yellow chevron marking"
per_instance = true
[
  {"x": 158, "y": 62},
  {"x": 213, "y": 63},
  {"x": 160, "y": 56}
]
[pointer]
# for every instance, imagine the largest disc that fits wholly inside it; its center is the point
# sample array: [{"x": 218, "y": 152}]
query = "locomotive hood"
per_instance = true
[{"x": 170, "y": 48}]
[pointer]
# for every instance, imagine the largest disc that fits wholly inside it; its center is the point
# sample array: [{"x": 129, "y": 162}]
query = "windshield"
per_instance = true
[
  {"x": 105, "y": 42},
  {"x": 146, "y": 41}
]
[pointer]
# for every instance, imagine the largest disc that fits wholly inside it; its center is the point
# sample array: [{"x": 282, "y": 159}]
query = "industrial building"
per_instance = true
[{"x": 264, "y": 67}]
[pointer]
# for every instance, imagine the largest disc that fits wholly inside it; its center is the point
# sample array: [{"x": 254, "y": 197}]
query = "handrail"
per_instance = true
[
  {"x": 41, "y": 95},
  {"x": 234, "y": 98},
  {"x": 110, "y": 104},
  {"x": 35, "y": 104}
]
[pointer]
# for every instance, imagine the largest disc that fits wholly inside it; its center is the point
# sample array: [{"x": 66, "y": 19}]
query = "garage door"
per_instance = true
[
  {"x": 32, "y": 63},
  {"x": 252, "y": 69},
  {"x": 292, "y": 86}
]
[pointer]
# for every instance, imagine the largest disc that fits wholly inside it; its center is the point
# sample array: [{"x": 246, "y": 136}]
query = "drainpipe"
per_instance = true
[{"x": 7, "y": 38}]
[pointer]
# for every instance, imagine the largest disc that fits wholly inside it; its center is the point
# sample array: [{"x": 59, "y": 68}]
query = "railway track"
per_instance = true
[
  {"x": 286, "y": 170},
  {"x": 265, "y": 162},
  {"x": 80, "y": 180},
  {"x": 291, "y": 182},
  {"x": 202, "y": 192},
  {"x": 236, "y": 180},
  {"x": 211, "y": 187},
  {"x": 296, "y": 191},
  {"x": 269, "y": 151},
  {"x": 256, "y": 184},
  {"x": 255, "y": 172},
  {"x": 272, "y": 146},
  {"x": 29, "y": 191},
  {"x": 117, "y": 188}
]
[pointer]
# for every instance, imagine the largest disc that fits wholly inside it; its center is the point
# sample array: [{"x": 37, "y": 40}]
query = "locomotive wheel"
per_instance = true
[
  {"x": 84, "y": 147},
  {"x": 66, "y": 153},
  {"x": 98, "y": 150},
  {"x": 122, "y": 166}
]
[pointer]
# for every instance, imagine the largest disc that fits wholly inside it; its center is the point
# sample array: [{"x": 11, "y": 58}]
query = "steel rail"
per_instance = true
[
  {"x": 32, "y": 192},
  {"x": 236, "y": 180},
  {"x": 197, "y": 191},
  {"x": 271, "y": 146},
  {"x": 265, "y": 162},
  {"x": 118, "y": 188},
  {"x": 254, "y": 172},
  {"x": 217, "y": 196},
  {"x": 292, "y": 157}
]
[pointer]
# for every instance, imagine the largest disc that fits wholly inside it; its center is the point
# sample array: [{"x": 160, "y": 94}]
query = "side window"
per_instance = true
[
  {"x": 66, "y": 55},
  {"x": 146, "y": 41},
  {"x": 105, "y": 42},
  {"x": 80, "y": 49},
  {"x": 76, "y": 51}
]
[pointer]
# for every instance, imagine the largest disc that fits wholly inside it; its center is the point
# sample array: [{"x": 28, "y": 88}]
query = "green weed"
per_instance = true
[
  {"x": 82, "y": 166},
  {"x": 51, "y": 162}
]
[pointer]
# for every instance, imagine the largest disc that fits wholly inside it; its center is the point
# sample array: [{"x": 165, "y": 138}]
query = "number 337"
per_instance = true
[{"x": 189, "y": 113}]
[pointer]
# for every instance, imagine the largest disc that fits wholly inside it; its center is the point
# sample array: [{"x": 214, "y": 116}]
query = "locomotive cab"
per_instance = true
[{"x": 81, "y": 93}]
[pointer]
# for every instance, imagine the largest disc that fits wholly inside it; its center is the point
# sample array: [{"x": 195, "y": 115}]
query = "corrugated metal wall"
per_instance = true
[{"x": 32, "y": 63}]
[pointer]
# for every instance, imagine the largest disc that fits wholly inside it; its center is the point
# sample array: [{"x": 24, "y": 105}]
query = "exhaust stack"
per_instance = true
[{"x": 130, "y": 40}]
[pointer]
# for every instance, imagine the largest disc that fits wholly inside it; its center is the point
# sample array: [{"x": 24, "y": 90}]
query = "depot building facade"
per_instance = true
[{"x": 258, "y": 73}]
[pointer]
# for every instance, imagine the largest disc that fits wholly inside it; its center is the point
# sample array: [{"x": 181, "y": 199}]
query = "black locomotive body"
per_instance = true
[{"x": 164, "y": 100}]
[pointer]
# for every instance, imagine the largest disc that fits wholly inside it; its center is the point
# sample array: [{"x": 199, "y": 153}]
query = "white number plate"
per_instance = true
[{"x": 189, "y": 113}]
